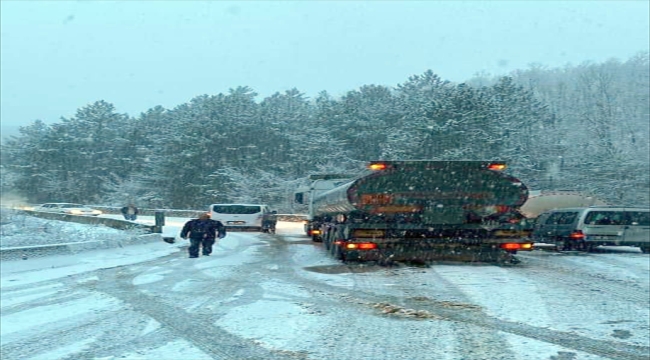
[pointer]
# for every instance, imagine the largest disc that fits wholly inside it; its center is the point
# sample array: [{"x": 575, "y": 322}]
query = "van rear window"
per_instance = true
[
  {"x": 606, "y": 218},
  {"x": 236, "y": 209},
  {"x": 639, "y": 218}
]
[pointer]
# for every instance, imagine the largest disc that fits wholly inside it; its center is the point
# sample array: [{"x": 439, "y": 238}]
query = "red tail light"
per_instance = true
[
  {"x": 577, "y": 235},
  {"x": 361, "y": 246},
  {"x": 367, "y": 246},
  {"x": 517, "y": 246}
]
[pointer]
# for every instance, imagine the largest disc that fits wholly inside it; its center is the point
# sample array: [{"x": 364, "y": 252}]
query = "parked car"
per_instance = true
[
  {"x": 588, "y": 227},
  {"x": 68, "y": 208}
]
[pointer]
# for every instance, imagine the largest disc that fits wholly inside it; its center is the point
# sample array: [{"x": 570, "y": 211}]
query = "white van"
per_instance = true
[
  {"x": 588, "y": 227},
  {"x": 240, "y": 216}
]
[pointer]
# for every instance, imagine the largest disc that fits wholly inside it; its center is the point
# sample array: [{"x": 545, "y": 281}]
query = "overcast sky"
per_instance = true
[{"x": 58, "y": 56}]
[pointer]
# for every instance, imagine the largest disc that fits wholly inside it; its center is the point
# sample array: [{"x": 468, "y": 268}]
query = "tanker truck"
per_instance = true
[{"x": 418, "y": 211}]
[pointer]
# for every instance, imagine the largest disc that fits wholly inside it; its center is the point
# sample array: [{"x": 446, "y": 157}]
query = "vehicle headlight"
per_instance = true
[{"x": 74, "y": 212}]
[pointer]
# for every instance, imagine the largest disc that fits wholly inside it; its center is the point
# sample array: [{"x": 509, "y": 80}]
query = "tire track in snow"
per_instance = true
[
  {"x": 194, "y": 328},
  {"x": 606, "y": 348}
]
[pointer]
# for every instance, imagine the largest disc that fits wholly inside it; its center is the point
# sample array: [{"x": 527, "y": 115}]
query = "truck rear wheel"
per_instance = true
[{"x": 589, "y": 247}]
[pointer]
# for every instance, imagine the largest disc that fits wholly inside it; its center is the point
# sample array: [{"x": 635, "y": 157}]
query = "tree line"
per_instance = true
[{"x": 583, "y": 128}]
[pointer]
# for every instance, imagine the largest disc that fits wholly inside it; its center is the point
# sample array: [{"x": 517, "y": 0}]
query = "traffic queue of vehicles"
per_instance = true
[
  {"x": 428, "y": 210},
  {"x": 421, "y": 210}
]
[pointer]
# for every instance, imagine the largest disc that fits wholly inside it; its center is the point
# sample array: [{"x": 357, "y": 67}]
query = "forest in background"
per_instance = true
[{"x": 584, "y": 128}]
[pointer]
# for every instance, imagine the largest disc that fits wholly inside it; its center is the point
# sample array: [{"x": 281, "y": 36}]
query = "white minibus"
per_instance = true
[{"x": 240, "y": 216}]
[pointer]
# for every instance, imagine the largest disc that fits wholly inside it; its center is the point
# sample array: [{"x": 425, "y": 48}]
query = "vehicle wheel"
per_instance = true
[
  {"x": 645, "y": 249},
  {"x": 568, "y": 246},
  {"x": 589, "y": 247},
  {"x": 385, "y": 261}
]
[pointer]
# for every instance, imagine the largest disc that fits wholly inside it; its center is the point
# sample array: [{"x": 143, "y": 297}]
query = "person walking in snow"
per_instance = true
[
  {"x": 130, "y": 212},
  {"x": 202, "y": 233}
]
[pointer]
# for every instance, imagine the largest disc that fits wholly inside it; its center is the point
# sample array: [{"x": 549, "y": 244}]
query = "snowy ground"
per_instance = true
[{"x": 554, "y": 306}]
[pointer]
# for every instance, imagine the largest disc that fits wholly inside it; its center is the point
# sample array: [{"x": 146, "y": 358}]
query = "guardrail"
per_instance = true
[
  {"x": 147, "y": 233},
  {"x": 92, "y": 220},
  {"x": 150, "y": 212}
]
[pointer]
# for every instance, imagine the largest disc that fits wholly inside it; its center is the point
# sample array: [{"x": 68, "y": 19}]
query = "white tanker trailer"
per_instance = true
[{"x": 540, "y": 201}]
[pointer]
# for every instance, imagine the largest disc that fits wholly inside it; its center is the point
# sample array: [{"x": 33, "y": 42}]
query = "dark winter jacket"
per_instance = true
[{"x": 203, "y": 229}]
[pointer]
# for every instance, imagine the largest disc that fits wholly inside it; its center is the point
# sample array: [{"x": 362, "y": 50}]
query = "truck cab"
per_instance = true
[{"x": 319, "y": 184}]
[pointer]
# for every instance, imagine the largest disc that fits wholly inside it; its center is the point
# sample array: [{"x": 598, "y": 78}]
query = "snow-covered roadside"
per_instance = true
[
  {"x": 70, "y": 248},
  {"x": 19, "y": 230},
  {"x": 27, "y": 237}
]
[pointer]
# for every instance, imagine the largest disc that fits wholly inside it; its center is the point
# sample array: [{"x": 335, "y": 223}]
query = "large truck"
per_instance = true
[{"x": 418, "y": 211}]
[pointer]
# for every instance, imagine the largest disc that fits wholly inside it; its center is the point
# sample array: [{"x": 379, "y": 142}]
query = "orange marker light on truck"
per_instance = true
[
  {"x": 377, "y": 166},
  {"x": 497, "y": 166}
]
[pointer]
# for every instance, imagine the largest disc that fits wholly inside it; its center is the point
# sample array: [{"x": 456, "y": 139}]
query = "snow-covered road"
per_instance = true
[{"x": 264, "y": 296}]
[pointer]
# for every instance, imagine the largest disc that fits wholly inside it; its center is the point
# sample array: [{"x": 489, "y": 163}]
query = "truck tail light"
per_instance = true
[
  {"x": 361, "y": 246},
  {"x": 577, "y": 235},
  {"x": 517, "y": 246}
]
